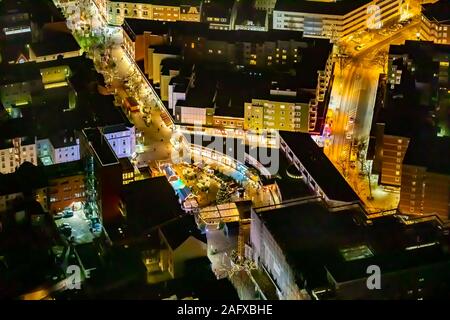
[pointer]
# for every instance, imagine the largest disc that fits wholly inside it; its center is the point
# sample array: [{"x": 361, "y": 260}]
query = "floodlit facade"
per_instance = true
[
  {"x": 16, "y": 151},
  {"x": 435, "y": 22},
  {"x": 117, "y": 11},
  {"x": 122, "y": 140},
  {"x": 424, "y": 192},
  {"x": 323, "y": 19},
  {"x": 276, "y": 115}
]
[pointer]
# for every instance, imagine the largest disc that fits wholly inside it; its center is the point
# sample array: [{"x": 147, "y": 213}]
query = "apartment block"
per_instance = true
[
  {"x": 160, "y": 10},
  {"x": 435, "y": 22},
  {"x": 335, "y": 20}
]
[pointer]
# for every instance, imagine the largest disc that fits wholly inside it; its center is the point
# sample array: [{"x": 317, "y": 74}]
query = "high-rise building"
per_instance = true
[{"x": 412, "y": 130}]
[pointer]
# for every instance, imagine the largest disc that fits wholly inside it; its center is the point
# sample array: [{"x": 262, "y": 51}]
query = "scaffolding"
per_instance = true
[{"x": 91, "y": 206}]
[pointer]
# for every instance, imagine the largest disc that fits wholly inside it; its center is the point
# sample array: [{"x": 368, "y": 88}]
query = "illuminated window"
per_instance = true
[{"x": 192, "y": 45}]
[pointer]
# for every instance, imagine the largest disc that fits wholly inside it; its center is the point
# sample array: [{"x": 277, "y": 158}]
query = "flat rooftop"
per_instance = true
[
  {"x": 315, "y": 239},
  {"x": 228, "y": 91},
  {"x": 288, "y": 180},
  {"x": 319, "y": 167},
  {"x": 101, "y": 147},
  {"x": 150, "y": 203},
  {"x": 58, "y": 42},
  {"x": 182, "y": 29},
  {"x": 438, "y": 11},
  {"x": 178, "y": 231}
]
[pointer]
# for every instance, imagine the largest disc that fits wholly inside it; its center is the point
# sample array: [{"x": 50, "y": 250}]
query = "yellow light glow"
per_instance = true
[{"x": 55, "y": 85}]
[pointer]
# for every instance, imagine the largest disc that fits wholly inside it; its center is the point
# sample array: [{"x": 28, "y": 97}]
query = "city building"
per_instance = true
[
  {"x": 160, "y": 10},
  {"x": 413, "y": 126},
  {"x": 55, "y": 187},
  {"x": 336, "y": 265},
  {"x": 218, "y": 14},
  {"x": 277, "y": 51},
  {"x": 251, "y": 100},
  {"x": 59, "y": 94},
  {"x": 170, "y": 68},
  {"x": 283, "y": 50},
  {"x": 435, "y": 22},
  {"x": 248, "y": 17},
  {"x": 105, "y": 176},
  {"x": 128, "y": 174},
  {"x": 337, "y": 19},
  {"x": 267, "y": 5},
  {"x": 57, "y": 46},
  {"x": 180, "y": 242},
  {"x": 122, "y": 139},
  {"x": 24, "y": 184},
  {"x": 156, "y": 54},
  {"x": 15, "y": 151},
  {"x": 66, "y": 185},
  {"x": 316, "y": 169},
  {"x": 148, "y": 204},
  {"x": 425, "y": 187},
  {"x": 59, "y": 149},
  {"x": 284, "y": 113},
  {"x": 23, "y": 23}
]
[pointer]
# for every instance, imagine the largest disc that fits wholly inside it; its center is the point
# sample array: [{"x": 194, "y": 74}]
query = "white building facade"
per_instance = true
[
  {"x": 122, "y": 140},
  {"x": 335, "y": 25}
]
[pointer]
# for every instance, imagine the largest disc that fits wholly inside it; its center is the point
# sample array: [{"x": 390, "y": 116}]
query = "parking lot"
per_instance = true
[{"x": 80, "y": 225}]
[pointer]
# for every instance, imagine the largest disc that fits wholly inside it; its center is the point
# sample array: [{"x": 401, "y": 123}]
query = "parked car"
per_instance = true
[
  {"x": 97, "y": 228},
  {"x": 66, "y": 230},
  {"x": 67, "y": 213},
  {"x": 58, "y": 216}
]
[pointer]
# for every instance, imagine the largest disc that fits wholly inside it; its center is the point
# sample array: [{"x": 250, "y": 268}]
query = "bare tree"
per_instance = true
[
  {"x": 361, "y": 146},
  {"x": 381, "y": 59},
  {"x": 342, "y": 165},
  {"x": 342, "y": 55}
]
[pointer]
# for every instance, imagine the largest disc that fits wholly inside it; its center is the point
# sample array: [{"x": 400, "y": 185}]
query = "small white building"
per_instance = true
[{"x": 122, "y": 140}]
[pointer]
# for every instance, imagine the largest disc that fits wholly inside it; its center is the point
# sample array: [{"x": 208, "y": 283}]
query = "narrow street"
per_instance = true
[{"x": 352, "y": 104}]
